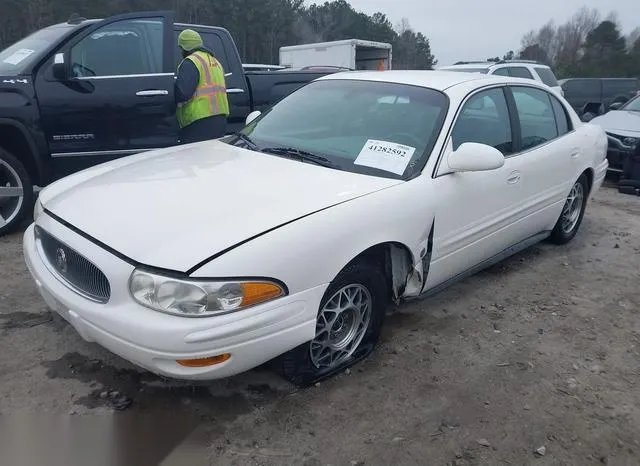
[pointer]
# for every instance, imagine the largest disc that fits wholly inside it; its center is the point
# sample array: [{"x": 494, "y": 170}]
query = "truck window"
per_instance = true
[
  {"x": 614, "y": 87},
  {"x": 16, "y": 58},
  {"x": 582, "y": 89},
  {"x": 124, "y": 48}
]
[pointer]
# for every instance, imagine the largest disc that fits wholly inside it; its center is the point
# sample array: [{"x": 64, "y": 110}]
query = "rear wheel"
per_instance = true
[
  {"x": 572, "y": 212},
  {"x": 347, "y": 327},
  {"x": 16, "y": 192}
]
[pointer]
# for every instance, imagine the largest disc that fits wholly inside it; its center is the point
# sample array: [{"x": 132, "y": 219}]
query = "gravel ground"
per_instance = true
[{"x": 540, "y": 352}]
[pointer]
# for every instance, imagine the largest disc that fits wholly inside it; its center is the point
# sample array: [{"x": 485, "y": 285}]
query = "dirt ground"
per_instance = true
[{"x": 541, "y": 352}]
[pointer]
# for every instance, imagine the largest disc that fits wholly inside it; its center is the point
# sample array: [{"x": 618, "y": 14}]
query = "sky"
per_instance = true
[{"x": 479, "y": 29}]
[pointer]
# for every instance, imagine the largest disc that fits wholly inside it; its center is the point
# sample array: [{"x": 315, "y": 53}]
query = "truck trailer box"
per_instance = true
[{"x": 355, "y": 54}]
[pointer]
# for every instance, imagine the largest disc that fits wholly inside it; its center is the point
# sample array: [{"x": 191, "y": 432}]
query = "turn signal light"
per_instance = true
[
  {"x": 254, "y": 293},
  {"x": 204, "y": 362}
]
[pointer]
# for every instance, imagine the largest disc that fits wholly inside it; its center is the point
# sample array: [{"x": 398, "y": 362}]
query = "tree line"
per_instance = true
[
  {"x": 586, "y": 45},
  {"x": 259, "y": 27}
]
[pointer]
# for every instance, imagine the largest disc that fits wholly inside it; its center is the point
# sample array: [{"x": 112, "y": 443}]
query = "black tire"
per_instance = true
[
  {"x": 297, "y": 366},
  {"x": 560, "y": 235},
  {"x": 27, "y": 185}
]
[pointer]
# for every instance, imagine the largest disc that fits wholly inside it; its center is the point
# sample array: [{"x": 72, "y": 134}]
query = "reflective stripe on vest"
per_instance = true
[{"x": 210, "y": 97}]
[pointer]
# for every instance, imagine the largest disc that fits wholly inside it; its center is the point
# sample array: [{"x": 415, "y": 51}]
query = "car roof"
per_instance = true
[
  {"x": 489, "y": 64},
  {"x": 434, "y": 79}
]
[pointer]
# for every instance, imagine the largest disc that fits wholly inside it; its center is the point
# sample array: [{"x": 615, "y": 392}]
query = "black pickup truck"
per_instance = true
[{"x": 80, "y": 93}]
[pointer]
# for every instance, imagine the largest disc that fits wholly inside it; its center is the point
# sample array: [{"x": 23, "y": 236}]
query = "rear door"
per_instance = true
[
  {"x": 219, "y": 41},
  {"x": 548, "y": 158},
  {"x": 118, "y": 97}
]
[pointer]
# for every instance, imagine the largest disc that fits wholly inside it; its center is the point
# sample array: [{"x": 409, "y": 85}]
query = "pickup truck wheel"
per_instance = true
[
  {"x": 16, "y": 192},
  {"x": 347, "y": 327}
]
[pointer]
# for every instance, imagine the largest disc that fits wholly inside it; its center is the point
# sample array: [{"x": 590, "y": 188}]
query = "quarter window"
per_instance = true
[
  {"x": 536, "y": 114},
  {"x": 484, "y": 119},
  {"x": 562, "y": 117},
  {"x": 127, "y": 47},
  {"x": 547, "y": 76}
]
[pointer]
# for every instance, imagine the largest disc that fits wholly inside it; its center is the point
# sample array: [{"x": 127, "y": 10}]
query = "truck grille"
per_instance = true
[{"x": 71, "y": 267}]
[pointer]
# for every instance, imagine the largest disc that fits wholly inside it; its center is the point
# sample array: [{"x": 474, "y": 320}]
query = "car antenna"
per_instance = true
[{"x": 75, "y": 18}]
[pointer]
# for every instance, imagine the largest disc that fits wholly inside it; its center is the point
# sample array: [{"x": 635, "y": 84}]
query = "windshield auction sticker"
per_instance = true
[
  {"x": 17, "y": 56},
  {"x": 384, "y": 155}
]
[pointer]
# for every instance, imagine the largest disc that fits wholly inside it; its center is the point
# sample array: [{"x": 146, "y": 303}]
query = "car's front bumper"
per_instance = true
[
  {"x": 154, "y": 340},
  {"x": 617, "y": 153}
]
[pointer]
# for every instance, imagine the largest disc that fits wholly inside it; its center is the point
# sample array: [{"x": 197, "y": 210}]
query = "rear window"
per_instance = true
[
  {"x": 547, "y": 76},
  {"x": 582, "y": 88}
]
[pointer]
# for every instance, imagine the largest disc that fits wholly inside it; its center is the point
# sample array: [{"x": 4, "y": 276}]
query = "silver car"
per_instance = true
[{"x": 622, "y": 125}]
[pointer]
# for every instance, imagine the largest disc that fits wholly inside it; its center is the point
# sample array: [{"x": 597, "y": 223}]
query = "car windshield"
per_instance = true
[
  {"x": 633, "y": 105},
  {"x": 16, "y": 58},
  {"x": 368, "y": 127}
]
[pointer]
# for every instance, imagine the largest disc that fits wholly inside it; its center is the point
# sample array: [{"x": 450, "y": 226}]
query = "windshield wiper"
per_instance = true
[
  {"x": 300, "y": 154},
  {"x": 247, "y": 140}
]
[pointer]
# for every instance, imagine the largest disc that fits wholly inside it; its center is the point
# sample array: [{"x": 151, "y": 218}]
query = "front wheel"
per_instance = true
[
  {"x": 16, "y": 192},
  {"x": 572, "y": 212},
  {"x": 347, "y": 327}
]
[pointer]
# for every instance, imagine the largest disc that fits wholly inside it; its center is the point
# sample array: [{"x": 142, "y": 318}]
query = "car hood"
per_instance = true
[
  {"x": 619, "y": 120},
  {"x": 176, "y": 207}
]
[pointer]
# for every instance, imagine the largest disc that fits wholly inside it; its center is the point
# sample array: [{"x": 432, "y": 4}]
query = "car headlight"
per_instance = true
[
  {"x": 37, "y": 209},
  {"x": 200, "y": 298}
]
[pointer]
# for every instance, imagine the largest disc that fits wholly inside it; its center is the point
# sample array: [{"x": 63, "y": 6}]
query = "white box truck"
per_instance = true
[{"x": 355, "y": 54}]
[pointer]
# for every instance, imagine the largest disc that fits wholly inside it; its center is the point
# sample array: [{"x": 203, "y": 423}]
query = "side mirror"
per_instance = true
[
  {"x": 473, "y": 157},
  {"x": 615, "y": 105},
  {"x": 59, "y": 68},
  {"x": 587, "y": 117},
  {"x": 252, "y": 116}
]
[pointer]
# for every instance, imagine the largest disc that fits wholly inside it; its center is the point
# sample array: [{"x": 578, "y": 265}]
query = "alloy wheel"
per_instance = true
[
  {"x": 572, "y": 208},
  {"x": 341, "y": 326},
  {"x": 11, "y": 194}
]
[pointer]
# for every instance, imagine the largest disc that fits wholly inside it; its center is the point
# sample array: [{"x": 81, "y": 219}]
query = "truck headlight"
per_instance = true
[
  {"x": 37, "y": 209},
  {"x": 200, "y": 298}
]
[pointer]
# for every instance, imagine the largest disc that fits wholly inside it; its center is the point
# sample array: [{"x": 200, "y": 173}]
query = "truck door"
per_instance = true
[
  {"x": 115, "y": 95},
  {"x": 220, "y": 42}
]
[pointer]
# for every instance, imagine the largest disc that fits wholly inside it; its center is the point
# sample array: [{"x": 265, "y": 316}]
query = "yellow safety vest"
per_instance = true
[{"x": 210, "y": 97}]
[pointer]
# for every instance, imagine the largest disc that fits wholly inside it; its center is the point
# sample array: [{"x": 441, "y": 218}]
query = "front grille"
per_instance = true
[{"x": 73, "y": 268}]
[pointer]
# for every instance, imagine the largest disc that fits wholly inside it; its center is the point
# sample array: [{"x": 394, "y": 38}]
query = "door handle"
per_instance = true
[
  {"x": 235, "y": 90},
  {"x": 514, "y": 177},
  {"x": 152, "y": 92}
]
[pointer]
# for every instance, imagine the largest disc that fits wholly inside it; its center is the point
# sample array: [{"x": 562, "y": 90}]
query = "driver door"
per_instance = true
[
  {"x": 475, "y": 210},
  {"x": 116, "y": 97}
]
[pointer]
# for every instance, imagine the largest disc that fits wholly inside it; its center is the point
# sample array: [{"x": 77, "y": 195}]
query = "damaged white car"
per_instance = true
[{"x": 286, "y": 241}]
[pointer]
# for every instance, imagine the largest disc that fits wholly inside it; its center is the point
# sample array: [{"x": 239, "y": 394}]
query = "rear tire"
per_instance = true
[
  {"x": 572, "y": 212},
  {"x": 347, "y": 328},
  {"x": 16, "y": 192}
]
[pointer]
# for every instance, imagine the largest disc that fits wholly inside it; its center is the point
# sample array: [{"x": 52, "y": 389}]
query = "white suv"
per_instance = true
[{"x": 517, "y": 68}]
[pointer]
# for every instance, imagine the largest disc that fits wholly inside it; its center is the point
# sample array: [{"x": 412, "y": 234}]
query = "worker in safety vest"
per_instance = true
[{"x": 200, "y": 91}]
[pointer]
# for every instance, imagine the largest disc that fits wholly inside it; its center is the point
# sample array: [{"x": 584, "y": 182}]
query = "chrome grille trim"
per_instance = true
[{"x": 80, "y": 274}]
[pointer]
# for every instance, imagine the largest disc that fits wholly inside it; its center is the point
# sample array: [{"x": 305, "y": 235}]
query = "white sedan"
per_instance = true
[{"x": 286, "y": 241}]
